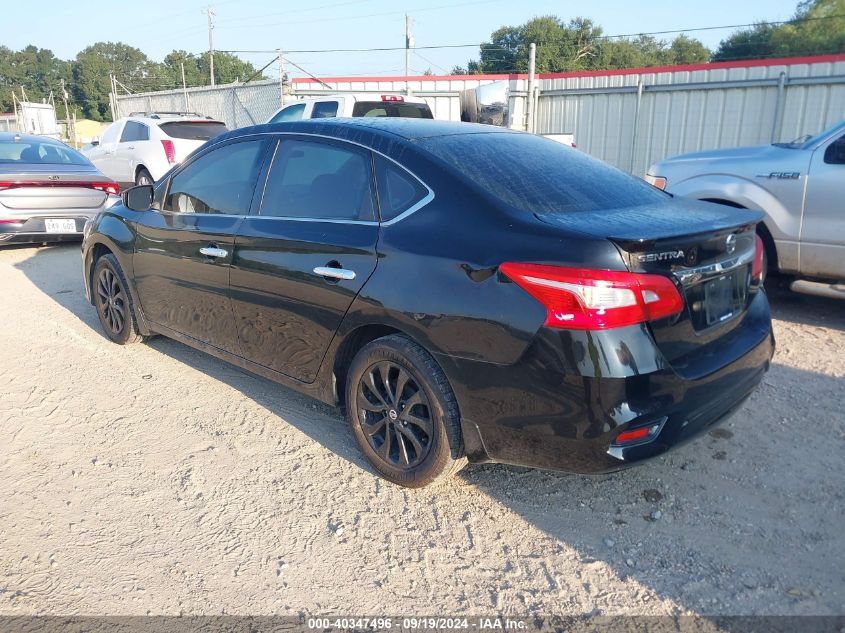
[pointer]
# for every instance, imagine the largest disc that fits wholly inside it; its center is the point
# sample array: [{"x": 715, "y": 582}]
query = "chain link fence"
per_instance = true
[{"x": 237, "y": 105}]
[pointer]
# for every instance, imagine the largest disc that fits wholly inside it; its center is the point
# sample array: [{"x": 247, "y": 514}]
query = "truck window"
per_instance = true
[
  {"x": 392, "y": 109},
  {"x": 290, "y": 113},
  {"x": 324, "y": 110}
]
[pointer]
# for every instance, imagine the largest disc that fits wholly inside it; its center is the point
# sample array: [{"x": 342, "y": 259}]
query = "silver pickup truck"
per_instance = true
[{"x": 800, "y": 186}]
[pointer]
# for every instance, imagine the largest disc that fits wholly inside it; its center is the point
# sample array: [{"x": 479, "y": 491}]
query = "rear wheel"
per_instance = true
[
  {"x": 113, "y": 302},
  {"x": 143, "y": 177},
  {"x": 403, "y": 413}
]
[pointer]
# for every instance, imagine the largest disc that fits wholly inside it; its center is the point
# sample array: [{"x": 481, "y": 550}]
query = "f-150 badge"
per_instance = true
[{"x": 781, "y": 175}]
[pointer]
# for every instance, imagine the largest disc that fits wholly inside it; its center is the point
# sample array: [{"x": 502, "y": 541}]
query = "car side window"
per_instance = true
[
  {"x": 221, "y": 181},
  {"x": 835, "y": 152},
  {"x": 324, "y": 110},
  {"x": 290, "y": 113},
  {"x": 398, "y": 190},
  {"x": 319, "y": 181},
  {"x": 134, "y": 131}
]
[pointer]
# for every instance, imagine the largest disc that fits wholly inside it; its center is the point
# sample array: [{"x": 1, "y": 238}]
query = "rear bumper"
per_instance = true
[
  {"x": 562, "y": 406},
  {"x": 33, "y": 229}
]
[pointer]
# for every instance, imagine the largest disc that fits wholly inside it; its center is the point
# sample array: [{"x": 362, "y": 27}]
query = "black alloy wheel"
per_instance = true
[
  {"x": 395, "y": 415},
  {"x": 402, "y": 412},
  {"x": 111, "y": 302}
]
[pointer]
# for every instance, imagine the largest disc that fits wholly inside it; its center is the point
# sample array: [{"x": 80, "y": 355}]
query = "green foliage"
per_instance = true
[
  {"x": 87, "y": 78},
  {"x": 579, "y": 45},
  {"x": 818, "y": 27}
]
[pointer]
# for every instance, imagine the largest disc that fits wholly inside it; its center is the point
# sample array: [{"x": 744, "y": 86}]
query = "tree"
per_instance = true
[
  {"x": 578, "y": 45},
  {"x": 818, "y": 27},
  {"x": 35, "y": 69},
  {"x": 93, "y": 67}
]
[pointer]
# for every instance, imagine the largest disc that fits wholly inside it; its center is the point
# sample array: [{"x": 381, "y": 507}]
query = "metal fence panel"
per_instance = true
[{"x": 634, "y": 119}]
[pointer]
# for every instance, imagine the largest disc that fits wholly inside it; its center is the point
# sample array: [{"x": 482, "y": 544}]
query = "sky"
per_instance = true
[{"x": 159, "y": 26}]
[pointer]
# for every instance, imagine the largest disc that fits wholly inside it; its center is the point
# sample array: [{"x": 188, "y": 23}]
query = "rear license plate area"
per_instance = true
[
  {"x": 719, "y": 299},
  {"x": 60, "y": 226}
]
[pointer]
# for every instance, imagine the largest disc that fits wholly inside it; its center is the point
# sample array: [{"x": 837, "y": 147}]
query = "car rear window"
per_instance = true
[
  {"x": 392, "y": 109},
  {"x": 40, "y": 153},
  {"x": 193, "y": 130},
  {"x": 538, "y": 175}
]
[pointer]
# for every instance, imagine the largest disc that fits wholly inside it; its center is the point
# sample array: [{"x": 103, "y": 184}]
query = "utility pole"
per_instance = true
[
  {"x": 185, "y": 87},
  {"x": 210, "y": 13},
  {"x": 112, "y": 97},
  {"x": 67, "y": 114},
  {"x": 409, "y": 42},
  {"x": 281, "y": 78},
  {"x": 529, "y": 100}
]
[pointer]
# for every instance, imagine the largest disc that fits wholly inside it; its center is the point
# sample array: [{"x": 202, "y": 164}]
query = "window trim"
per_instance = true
[
  {"x": 261, "y": 174},
  {"x": 413, "y": 209}
]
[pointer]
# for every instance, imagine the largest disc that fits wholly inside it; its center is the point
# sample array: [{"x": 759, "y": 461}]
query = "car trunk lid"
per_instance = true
[
  {"x": 47, "y": 187},
  {"x": 706, "y": 249}
]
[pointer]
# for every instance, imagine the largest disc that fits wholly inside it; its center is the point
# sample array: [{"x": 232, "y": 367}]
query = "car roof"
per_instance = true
[
  {"x": 370, "y": 130},
  {"x": 360, "y": 96},
  {"x": 28, "y": 138},
  {"x": 164, "y": 117}
]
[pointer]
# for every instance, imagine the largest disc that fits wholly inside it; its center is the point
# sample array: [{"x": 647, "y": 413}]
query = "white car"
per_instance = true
[
  {"x": 141, "y": 148},
  {"x": 354, "y": 105}
]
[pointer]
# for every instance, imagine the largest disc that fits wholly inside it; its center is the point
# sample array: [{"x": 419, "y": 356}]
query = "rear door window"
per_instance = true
[
  {"x": 392, "y": 109},
  {"x": 134, "y": 131},
  {"x": 398, "y": 190},
  {"x": 324, "y": 110},
  {"x": 221, "y": 181},
  {"x": 193, "y": 130},
  {"x": 319, "y": 181},
  {"x": 290, "y": 113}
]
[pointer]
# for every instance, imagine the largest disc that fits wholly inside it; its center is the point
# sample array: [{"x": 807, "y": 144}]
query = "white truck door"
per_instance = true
[{"x": 823, "y": 229}]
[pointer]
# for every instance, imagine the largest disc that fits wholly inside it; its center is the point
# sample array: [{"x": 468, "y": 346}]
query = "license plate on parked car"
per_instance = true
[
  {"x": 723, "y": 297},
  {"x": 60, "y": 226}
]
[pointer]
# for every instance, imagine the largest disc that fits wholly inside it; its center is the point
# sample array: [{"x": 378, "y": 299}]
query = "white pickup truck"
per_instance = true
[{"x": 800, "y": 186}]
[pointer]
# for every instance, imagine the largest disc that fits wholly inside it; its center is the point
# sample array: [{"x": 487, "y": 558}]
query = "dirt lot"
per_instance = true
[{"x": 155, "y": 479}]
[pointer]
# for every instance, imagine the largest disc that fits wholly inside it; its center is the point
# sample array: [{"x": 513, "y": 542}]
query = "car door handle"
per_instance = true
[
  {"x": 335, "y": 273},
  {"x": 213, "y": 251}
]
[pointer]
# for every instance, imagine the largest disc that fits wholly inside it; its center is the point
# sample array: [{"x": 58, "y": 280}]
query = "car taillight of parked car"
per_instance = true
[
  {"x": 169, "y": 151},
  {"x": 584, "y": 299},
  {"x": 757, "y": 264},
  {"x": 106, "y": 187}
]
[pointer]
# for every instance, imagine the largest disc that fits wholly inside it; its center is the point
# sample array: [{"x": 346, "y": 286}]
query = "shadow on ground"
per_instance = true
[{"x": 703, "y": 526}]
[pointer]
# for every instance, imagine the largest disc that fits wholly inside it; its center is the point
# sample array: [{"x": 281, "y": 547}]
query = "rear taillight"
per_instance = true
[
  {"x": 169, "y": 151},
  {"x": 109, "y": 187},
  {"x": 104, "y": 186},
  {"x": 757, "y": 264},
  {"x": 583, "y": 299}
]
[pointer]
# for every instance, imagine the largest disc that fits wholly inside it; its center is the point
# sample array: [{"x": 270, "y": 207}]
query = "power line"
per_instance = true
[{"x": 488, "y": 46}]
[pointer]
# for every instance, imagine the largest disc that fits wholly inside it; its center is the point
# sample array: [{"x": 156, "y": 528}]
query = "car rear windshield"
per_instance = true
[
  {"x": 538, "y": 175},
  {"x": 392, "y": 109},
  {"x": 193, "y": 130},
  {"x": 33, "y": 152}
]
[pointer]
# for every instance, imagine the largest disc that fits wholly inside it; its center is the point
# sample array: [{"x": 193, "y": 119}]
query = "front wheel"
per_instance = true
[
  {"x": 403, "y": 413},
  {"x": 113, "y": 302}
]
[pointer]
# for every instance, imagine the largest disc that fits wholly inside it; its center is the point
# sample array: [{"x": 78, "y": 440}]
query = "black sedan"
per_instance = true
[
  {"x": 466, "y": 293},
  {"x": 47, "y": 190}
]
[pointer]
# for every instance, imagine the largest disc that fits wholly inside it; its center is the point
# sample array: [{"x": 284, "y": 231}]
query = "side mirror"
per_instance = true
[
  {"x": 95, "y": 142},
  {"x": 835, "y": 152},
  {"x": 138, "y": 198}
]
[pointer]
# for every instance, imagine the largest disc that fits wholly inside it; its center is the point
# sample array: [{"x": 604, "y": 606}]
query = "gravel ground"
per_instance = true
[{"x": 154, "y": 479}]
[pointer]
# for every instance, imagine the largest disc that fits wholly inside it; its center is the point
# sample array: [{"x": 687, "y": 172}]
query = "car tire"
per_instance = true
[
  {"x": 113, "y": 301},
  {"x": 413, "y": 437},
  {"x": 143, "y": 177}
]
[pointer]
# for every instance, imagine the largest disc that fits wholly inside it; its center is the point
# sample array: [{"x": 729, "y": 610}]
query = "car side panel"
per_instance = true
[{"x": 823, "y": 228}]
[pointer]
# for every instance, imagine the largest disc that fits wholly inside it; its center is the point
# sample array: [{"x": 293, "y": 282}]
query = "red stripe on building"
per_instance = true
[{"x": 745, "y": 63}]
